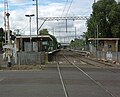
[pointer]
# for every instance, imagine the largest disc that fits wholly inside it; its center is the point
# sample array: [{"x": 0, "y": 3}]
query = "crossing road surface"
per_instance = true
[{"x": 46, "y": 83}]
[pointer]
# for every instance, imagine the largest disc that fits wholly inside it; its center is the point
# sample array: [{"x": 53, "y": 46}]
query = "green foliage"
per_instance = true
[
  {"x": 1, "y": 36},
  {"x": 55, "y": 43},
  {"x": 45, "y": 32},
  {"x": 77, "y": 43},
  {"x": 105, "y": 17},
  {"x": 0, "y": 44}
]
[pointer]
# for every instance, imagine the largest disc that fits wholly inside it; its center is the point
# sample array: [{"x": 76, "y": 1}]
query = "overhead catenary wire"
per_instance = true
[
  {"x": 24, "y": 28},
  {"x": 64, "y": 8},
  {"x": 65, "y": 12},
  {"x": 68, "y": 12},
  {"x": 69, "y": 7},
  {"x": 59, "y": 23}
]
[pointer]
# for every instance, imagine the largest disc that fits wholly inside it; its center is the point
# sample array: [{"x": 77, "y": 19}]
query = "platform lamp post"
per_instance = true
[{"x": 30, "y": 29}]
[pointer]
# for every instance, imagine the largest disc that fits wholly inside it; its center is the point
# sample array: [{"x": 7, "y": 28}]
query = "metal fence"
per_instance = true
[
  {"x": 114, "y": 56},
  {"x": 31, "y": 58},
  {"x": 26, "y": 58},
  {"x": 3, "y": 63}
]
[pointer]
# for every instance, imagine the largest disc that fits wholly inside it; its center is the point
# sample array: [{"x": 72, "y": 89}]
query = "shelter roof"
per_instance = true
[
  {"x": 43, "y": 37},
  {"x": 105, "y": 39}
]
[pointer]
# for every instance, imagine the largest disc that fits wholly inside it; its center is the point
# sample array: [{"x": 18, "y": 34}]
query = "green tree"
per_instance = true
[
  {"x": 43, "y": 32},
  {"x": 77, "y": 43},
  {"x": 105, "y": 17},
  {"x": 46, "y": 32},
  {"x": 1, "y": 36}
]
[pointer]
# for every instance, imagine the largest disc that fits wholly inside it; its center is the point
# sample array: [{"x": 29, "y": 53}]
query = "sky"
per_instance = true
[{"x": 48, "y": 8}]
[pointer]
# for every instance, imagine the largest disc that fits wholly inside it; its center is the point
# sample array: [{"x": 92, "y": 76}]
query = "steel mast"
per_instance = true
[
  {"x": 8, "y": 46},
  {"x": 5, "y": 19}
]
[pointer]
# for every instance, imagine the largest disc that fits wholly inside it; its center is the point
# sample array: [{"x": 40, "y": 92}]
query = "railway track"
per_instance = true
[
  {"x": 66, "y": 61},
  {"x": 94, "y": 63}
]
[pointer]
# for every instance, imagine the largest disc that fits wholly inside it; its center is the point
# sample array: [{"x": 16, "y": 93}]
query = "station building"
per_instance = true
[
  {"x": 32, "y": 49},
  {"x": 34, "y": 43}
]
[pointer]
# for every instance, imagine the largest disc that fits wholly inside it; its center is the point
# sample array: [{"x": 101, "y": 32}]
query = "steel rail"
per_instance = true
[
  {"x": 62, "y": 81},
  {"x": 106, "y": 64},
  {"x": 1, "y": 79},
  {"x": 92, "y": 79},
  {"x": 93, "y": 60},
  {"x": 83, "y": 59}
]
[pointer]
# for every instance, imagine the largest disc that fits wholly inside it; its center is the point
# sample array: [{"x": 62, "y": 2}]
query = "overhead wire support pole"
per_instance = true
[
  {"x": 36, "y": 15},
  {"x": 75, "y": 33},
  {"x": 64, "y": 18},
  {"x": 66, "y": 25},
  {"x": 96, "y": 34}
]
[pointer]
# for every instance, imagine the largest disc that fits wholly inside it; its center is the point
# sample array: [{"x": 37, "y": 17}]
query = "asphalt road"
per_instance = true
[{"x": 46, "y": 83}]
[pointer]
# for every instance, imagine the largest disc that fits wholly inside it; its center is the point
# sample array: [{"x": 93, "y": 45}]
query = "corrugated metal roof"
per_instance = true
[
  {"x": 34, "y": 36},
  {"x": 104, "y": 39}
]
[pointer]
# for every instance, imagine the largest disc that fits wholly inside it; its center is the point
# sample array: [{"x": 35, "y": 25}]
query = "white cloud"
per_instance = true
[
  {"x": 16, "y": 0},
  {"x": 53, "y": 9},
  {"x": 77, "y": 9},
  {"x": 19, "y": 21},
  {"x": 1, "y": 5}
]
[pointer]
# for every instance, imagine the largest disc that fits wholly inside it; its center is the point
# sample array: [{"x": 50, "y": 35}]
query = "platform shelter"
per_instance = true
[{"x": 106, "y": 44}]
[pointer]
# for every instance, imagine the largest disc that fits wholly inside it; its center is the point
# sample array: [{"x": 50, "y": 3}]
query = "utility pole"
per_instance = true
[
  {"x": 53, "y": 31},
  {"x": 36, "y": 15},
  {"x": 75, "y": 33},
  {"x": 66, "y": 25},
  {"x": 96, "y": 34}
]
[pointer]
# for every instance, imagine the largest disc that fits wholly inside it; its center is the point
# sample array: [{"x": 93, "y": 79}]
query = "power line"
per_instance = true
[
  {"x": 64, "y": 8},
  {"x": 69, "y": 7},
  {"x": 62, "y": 14},
  {"x": 23, "y": 29}
]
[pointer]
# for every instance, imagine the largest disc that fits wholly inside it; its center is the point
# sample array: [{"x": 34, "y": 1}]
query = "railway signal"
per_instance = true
[{"x": 7, "y": 47}]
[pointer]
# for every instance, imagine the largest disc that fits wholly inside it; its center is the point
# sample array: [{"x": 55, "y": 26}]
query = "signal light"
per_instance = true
[{"x": 13, "y": 37}]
